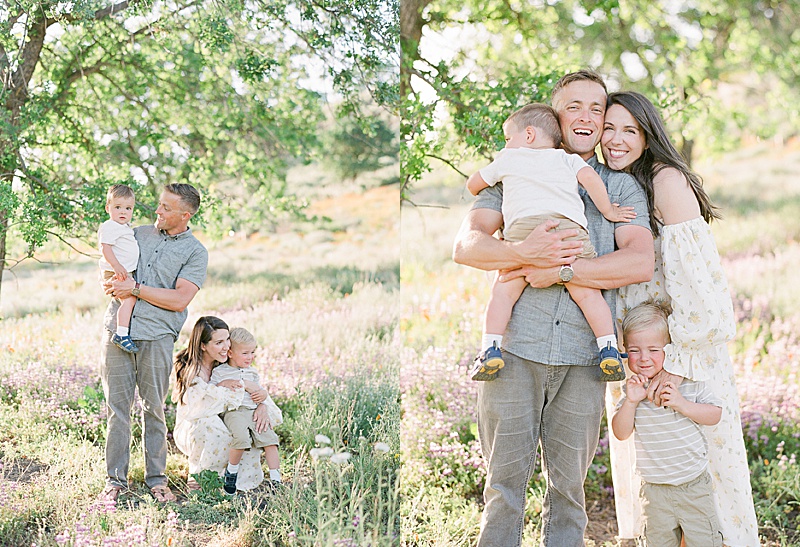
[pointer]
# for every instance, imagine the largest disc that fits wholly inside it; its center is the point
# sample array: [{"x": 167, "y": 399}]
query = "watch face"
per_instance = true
[{"x": 566, "y": 273}]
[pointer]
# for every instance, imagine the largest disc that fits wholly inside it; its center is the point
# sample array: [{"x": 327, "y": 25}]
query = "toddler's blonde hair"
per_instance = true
[
  {"x": 242, "y": 336},
  {"x": 650, "y": 314}
]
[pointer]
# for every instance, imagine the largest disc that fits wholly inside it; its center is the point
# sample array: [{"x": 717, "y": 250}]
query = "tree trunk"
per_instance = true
[
  {"x": 3, "y": 233},
  {"x": 411, "y": 24}
]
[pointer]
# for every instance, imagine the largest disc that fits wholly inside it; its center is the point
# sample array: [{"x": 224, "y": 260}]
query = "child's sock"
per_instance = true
[
  {"x": 122, "y": 331},
  {"x": 489, "y": 339},
  {"x": 275, "y": 475},
  {"x": 604, "y": 341},
  {"x": 233, "y": 468}
]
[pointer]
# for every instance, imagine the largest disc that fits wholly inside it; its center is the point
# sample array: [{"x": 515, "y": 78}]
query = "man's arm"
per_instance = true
[
  {"x": 632, "y": 262},
  {"x": 476, "y": 246},
  {"x": 176, "y": 299}
]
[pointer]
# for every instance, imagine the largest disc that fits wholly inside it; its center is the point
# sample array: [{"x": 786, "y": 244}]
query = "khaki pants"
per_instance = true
[
  {"x": 243, "y": 429},
  {"x": 522, "y": 227},
  {"x": 686, "y": 510},
  {"x": 122, "y": 373}
]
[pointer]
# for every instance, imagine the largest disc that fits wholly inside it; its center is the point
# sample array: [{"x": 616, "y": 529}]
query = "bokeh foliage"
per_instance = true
[
  {"x": 721, "y": 71},
  {"x": 225, "y": 95}
]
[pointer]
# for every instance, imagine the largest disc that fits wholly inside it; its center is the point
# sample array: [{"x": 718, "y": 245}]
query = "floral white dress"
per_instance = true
[
  {"x": 689, "y": 275},
  {"x": 202, "y": 436}
]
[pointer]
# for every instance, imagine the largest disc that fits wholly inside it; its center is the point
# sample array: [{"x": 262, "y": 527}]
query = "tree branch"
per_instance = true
[{"x": 448, "y": 162}]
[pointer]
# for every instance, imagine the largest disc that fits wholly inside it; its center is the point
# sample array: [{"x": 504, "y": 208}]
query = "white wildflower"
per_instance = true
[
  {"x": 381, "y": 447},
  {"x": 340, "y": 458}
]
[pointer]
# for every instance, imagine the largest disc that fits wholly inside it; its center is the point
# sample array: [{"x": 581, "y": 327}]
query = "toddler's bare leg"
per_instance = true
[
  {"x": 235, "y": 456},
  {"x": 124, "y": 312},
  {"x": 272, "y": 456},
  {"x": 501, "y": 303},
  {"x": 594, "y": 308}
]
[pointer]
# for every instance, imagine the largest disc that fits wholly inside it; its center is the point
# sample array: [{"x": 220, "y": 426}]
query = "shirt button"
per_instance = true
[
  {"x": 566, "y": 289},
  {"x": 558, "y": 322}
]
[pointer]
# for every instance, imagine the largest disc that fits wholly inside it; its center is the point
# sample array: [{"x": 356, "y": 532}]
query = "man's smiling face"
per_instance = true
[{"x": 581, "y": 106}]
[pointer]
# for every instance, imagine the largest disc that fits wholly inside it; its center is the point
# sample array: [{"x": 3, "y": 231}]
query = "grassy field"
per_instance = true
[
  {"x": 442, "y": 303},
  {"x": 324, "y": 305}
]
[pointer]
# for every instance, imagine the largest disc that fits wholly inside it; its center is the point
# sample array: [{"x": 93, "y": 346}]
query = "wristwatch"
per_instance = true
[
  {"x": 135, "y": 290},
  {"x": 565, "y": 273}
]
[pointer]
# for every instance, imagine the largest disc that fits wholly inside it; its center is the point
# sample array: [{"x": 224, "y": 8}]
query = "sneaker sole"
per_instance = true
[
  {"x": 612, "y": 370},
  {"x": 488, "y": 370},
  {"x": 123, "y": 348}
]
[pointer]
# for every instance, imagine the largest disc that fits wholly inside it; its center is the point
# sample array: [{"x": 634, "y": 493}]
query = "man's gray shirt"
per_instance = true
[
  {"x": 162, "y": 260},
  {"x": 546, "y": 325}
]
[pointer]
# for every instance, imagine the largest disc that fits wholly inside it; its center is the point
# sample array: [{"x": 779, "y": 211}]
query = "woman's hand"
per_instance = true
[
  {"x": 657, "y": 384},
  {"x": 261, "y": 418},
  {"x": 230, "y": 384}
]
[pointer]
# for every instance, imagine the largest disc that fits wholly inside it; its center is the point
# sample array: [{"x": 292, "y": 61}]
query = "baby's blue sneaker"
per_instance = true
[
  {"x": 487, "y": 364},
  {"x": 125, "y": 343},
  {"x": 611, "y": 364}
]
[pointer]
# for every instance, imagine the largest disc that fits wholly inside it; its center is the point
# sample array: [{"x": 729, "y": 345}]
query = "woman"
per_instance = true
[
  {"x": 199, "y": 431},
  {"x": 687, "y": 273}
]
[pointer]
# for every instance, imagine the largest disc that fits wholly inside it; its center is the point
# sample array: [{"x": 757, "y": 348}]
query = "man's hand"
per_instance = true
[
  {"x": 538, "y": 278},
  {"x": 657, "y": 383},
  {"x": 121, "y": 289},
  {"x": 261, "y": 418},
  {"x": 545, "y": 247}
]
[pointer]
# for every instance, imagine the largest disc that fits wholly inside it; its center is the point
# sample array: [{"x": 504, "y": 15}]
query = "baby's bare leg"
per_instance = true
[
  {"x": 124, "y": 312},
  {"x": 594, "y": 308},
  {"x": 501, "y": 303}
]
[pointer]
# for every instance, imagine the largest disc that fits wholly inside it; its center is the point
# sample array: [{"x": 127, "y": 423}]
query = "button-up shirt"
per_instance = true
[{"x": 163, "y": 259}]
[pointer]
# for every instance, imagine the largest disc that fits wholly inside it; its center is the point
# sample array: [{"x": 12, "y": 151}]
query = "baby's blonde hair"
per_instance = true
[
  {"x": 541, "y": 116},
  {"x": 119, "y": 191},
  {"x": 650, "y": 314},
  {"x": 242, "y": 336}
]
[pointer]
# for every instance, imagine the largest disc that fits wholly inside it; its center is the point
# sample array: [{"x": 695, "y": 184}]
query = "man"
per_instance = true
[
  {"x": 550, "y": 390},
  {"x": 171, "y": 269}
]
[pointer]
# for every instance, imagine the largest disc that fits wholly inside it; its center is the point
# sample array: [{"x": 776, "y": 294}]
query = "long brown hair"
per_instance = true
[
  {"x": 188, "y": 361},
  {"x": 659, "y": 154}
]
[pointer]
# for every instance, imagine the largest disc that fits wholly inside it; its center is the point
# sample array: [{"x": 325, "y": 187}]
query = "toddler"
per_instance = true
[
  {"x": 540, "y": 183},
  {"x": 120, "y": 255},
  {"x": 671, "y": 450},
  {"x": 240, "y": 421}
]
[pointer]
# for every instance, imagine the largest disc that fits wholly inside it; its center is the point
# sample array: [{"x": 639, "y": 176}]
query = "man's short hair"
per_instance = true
[
  {"x": 242, "y": 336},
  {"x": 538, "y": 115},
  {"x": 577, "y": 76},
  {"x": 188, "y": 195},
  {"x": 119, "y": 191},
  {"x": 650, "y": 314}
]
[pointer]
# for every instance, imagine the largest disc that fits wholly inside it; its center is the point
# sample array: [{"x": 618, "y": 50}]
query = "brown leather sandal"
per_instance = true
[
  {"x": 111, "y": 492},
  {"x": 163, "y": 494}
]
